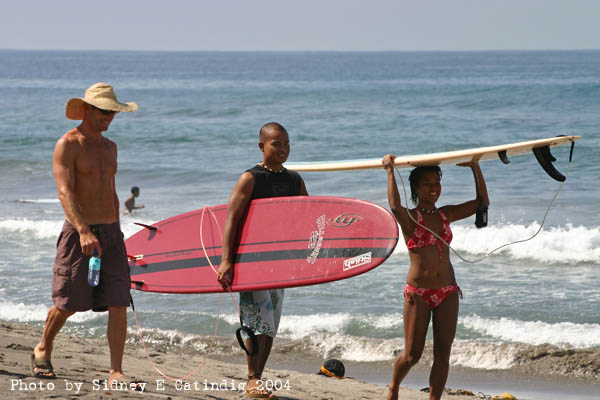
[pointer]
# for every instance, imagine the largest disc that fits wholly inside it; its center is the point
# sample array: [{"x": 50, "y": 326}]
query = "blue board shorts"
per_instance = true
[
  {"x": 261, "y": 310},
  {"x": 70, "y": 288}
]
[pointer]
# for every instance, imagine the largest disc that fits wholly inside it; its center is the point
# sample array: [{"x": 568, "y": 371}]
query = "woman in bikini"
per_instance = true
[{"x": 431, "y": 290}]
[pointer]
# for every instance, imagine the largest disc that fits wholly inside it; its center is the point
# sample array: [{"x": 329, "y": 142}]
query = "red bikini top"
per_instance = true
[{"x": 423, "y": 238}]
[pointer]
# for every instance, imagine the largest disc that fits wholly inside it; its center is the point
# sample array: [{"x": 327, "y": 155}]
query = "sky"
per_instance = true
[{"x": 282, "y": 25}]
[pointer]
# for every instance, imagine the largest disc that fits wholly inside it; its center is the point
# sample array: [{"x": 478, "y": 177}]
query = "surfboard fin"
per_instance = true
[
  {"x": 138, "y": 285},
  {"x": 152, "y": 228},
  {"x": 545, "y": 158},
  {"x": 502, "y": 157}
]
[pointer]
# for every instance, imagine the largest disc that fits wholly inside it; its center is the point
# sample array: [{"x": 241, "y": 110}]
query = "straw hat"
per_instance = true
[{"x": 100, "y": 95}]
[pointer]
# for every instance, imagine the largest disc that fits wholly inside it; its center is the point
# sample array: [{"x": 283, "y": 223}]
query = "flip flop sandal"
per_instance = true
[
  {"x": 256, "y": 393},
  {"x": 44, "y": 368}
]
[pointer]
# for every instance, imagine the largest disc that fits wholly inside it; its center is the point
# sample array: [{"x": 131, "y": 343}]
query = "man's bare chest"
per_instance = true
[{"x": 97, "y": 161}]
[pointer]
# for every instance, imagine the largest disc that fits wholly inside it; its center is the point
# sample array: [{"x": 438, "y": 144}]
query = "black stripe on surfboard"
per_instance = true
[
  {"x": 175, "y": 252},
  {"x": 263, "y": 256}
]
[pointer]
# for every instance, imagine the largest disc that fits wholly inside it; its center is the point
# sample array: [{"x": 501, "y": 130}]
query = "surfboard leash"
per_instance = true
[
  {"x": 499, "y": 247},
  {"x": 242, "y": 328},
  {"x": 200, "y": 364}
]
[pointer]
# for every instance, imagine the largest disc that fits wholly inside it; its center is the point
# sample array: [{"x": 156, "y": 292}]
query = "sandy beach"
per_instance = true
[
  {"x": 81, "y": 368},
  {"x": 528, "y": 321}
]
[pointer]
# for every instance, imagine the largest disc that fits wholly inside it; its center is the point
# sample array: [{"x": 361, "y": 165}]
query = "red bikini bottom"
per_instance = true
[{"x": 433, "y": 297}]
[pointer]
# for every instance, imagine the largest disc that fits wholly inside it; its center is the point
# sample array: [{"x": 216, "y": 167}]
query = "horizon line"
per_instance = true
[{"x": 307, "y": 51}]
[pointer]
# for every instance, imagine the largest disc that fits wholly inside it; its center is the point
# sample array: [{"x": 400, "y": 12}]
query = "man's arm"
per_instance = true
[
  {"x": 63, "y": 166},
  {"x": 238, "y": 202}
]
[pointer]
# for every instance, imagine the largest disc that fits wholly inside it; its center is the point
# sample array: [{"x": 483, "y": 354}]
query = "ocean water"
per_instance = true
[{"x": 197, "y": 130}]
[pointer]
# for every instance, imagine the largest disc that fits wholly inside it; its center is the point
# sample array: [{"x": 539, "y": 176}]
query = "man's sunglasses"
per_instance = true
[{"x": 105, "y": 112}]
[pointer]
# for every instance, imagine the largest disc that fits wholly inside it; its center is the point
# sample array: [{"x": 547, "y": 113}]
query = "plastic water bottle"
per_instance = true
[{"x": 94, "y": 270}]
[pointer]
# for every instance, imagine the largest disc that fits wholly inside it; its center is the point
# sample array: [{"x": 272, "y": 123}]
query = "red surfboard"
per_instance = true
[{"x": 283, "y": 242}]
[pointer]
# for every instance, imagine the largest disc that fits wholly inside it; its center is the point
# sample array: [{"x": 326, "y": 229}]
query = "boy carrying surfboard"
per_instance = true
[{"x": 260, "y": 310}]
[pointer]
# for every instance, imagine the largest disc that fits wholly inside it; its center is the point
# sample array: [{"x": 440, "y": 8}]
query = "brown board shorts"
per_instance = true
[{"x": 70, "y": 288}]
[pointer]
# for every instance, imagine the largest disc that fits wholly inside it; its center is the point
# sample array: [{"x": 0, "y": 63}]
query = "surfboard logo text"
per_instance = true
[
  {"x": 344, "y": 220},
  {"x": 316, "y": 240},
  {"x": 357, "y": 261},
  {"x": 179, "y": 253}
]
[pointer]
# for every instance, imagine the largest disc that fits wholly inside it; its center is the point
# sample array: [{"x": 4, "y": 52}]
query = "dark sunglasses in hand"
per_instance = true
[{"x": 105, "y": 112}]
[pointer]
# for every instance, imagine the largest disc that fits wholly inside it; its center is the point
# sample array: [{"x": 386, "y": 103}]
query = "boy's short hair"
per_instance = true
[{"x": 269, "y": 126}]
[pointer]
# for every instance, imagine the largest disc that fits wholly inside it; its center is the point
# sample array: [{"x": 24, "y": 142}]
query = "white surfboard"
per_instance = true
[{"x": 540, "y": 147}]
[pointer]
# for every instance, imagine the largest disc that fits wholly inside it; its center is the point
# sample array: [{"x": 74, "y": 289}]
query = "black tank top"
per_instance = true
[{"x": 274, "y": 184}]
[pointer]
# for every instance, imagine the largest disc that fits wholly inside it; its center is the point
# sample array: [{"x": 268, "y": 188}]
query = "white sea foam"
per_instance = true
[
  {"x": 326, "y": 335},
  {"x": 297, "y": 327},
  {"x": 353, "y": 348},
  {"x": 535, "y": 332},
  {"x": 49, "y": 229},
  {"x": 301, "y": 326},
  {"x": 389, "y": 321},
  {"x": 20, "y": 312},
  {"x": 39, "y": 201},
  {"x": 562, "y": 244},
  {"x": 471, "y": 354},
  {"x": 509, "y": 335},
  {"x": 466, "y": 353},
  {"x": 42, "y": 229}
]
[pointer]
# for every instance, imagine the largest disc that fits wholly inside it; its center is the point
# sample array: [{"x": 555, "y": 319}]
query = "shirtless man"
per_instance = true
[{"x": 84, "y": 166}]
